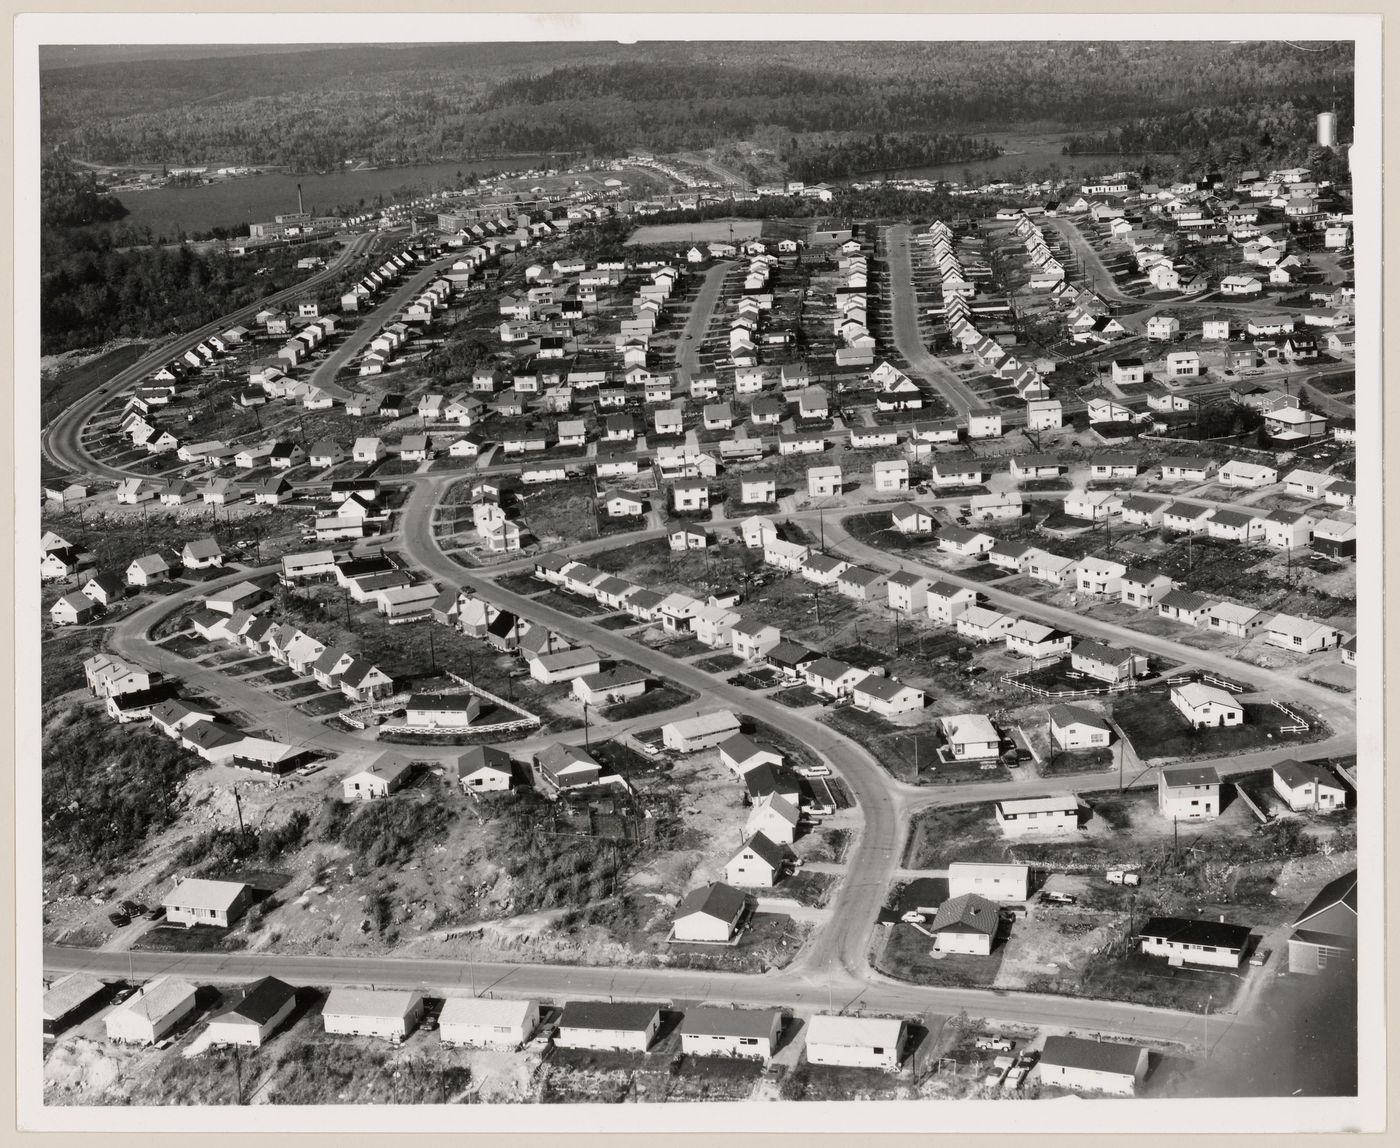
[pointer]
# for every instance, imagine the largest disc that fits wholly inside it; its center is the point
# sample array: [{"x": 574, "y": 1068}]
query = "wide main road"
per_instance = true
[
  {"x": 62, "y": 438},
  {"x": 904, "y": 324},
  {"x": 790, "y": 988}
]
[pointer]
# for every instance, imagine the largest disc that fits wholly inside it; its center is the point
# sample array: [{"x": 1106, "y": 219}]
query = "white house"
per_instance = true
[
  {"x": 885, "y": 696},
  {"x": 970, "y": 736},
  {"x": 1092, "y": 1065},
  {"x": 391, "y": 1014},
  {"x": 1308, "y": 786},
  {"x": 686, "y": 735},
  {"x": 621, "y": 1026},
  {"x": 1055, "y": 813},
  {"x": 484, "y": 1022},
  {"x": 1074, "y": 727},
  {"x": 152, "y": 1012},
  {"x": 1188, "y": 793},
  {"x": 251, "y": 1019},
  {"x": 1205, "y": 706},
  {"x": 855, "y": 1042},
  {"x": 996, "y": 881},
  {"x": 731, "y": 1032},
  {"x": 710, "y": 914}
]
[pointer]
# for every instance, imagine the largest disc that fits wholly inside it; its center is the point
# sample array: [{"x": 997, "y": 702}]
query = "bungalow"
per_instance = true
[
  {"x": 964, "y": 542},
  {"x": 387, "y": 774},
  {"x": 983, "y": 625},
  {"x": 1179, "y": 468},
  {"x": 1307, "y": 483},
  {"x": 1020, "y": 816},
  {"x": 624, "y": 504},
  {"x": 1106, "y": 663},
  {"x": 1291, "y": 424},
  {"x": 1308, "y": 786},
  {"x": 1188, "y": 942},
  {"x": 560, "y": 767},
  {"x": 1031, "y": 466},
  {"x": 958, "y": 472},
  {"x": 202, "y": 901},
  {"x": 991, "y": 507},
  {"x": 1184, "y": 606},
  {"x": 1188, "y": 793},
  {"x": 564, "y": 665},
  {"x": 485, "y": 769},
  {"x": 471, "y": 1021},
  {"x": 1093, "y": 1065},
  {"x": 966, "y": 924},
  {"x": 885, "y": 696},
  {"x": 73, "y": 609},
  {"x": 1092, "y": 505},
  {"x": 686, "y": 735},
  {"x": 823, "y": 569},
  {"x": 710, "y": 914},
  {"x": 832, "y": 677},
  {"x": 1235, "y": 526},
  {"x": 856, "y": 1042},
  {"x": 391, "y": 1014},
  {"x": 1205, "y": 706},
  {"x": 731, "y": 1032},
  {"x": 1249, "y": 475},
  {"x": 789, "y": 556},
  {"x": 1074, "y": 727},
  {"x": 1300, "y": 634},
  {"x": 442, "y": 711},
  {"x": 1052, "y": 569},
  {"x": 603, "y": 1025},
  {"x": 152, "y": 1012},
  {"x": 1032, "y": 640},
  {"x": 970, "y": 736}
]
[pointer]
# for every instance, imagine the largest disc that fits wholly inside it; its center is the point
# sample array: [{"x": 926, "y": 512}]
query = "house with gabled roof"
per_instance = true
[{"x": 1324, "y": 933}]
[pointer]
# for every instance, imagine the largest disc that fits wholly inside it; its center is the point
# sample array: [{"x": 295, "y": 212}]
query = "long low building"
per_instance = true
[
  {"x": 854, "y": 1041},
  {"x": 152, "y": 1012},
  {"x": 1093, "y": 1065},
  {"x": 485, "y": 1021},
  {"x": 388, "y": 1013},
  {"x": 739, "y": 1032},
  {"x": 599, "y": 1024}
]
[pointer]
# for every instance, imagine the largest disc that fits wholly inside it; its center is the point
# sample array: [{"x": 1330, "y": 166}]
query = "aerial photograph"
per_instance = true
[{"x": 698, "y": 572}]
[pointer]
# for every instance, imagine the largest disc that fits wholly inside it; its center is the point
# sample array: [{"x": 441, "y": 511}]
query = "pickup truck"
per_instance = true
[{"x": 994, "y": 1044}]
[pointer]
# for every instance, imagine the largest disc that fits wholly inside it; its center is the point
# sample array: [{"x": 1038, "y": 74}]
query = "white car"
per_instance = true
[{"x": 912, "y": 918}]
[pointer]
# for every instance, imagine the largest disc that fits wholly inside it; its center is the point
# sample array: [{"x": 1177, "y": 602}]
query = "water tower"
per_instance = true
[{"x": 1327, "y": 129}]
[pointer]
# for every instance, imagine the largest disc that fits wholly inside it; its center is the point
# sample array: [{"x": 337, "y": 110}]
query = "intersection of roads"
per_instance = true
[{"x": 834, "y": 964}]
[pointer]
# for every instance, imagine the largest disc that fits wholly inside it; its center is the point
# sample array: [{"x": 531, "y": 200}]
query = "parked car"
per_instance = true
[
  {"x": 118, "y": 918},
  {"x": 133, "y": 908},
  {"x": 912, "y": 918},
  {"x": 1123, "y": 877},
  {"x": 994, "y": 1044},
  {"x": 1057, "y": 898}
]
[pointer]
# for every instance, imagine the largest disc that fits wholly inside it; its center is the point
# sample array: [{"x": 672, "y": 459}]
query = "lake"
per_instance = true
[{"x": 256, "y": 198}]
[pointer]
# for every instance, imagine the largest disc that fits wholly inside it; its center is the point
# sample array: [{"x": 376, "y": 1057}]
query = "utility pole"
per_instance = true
[
  {"x": 238, "y": 808},
  {"x": 1205, "y": 1025},
  {"x": 586, "y": 743}
]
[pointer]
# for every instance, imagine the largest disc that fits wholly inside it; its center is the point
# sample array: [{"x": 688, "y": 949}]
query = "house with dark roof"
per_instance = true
[
  {"x": 1074, "y": 727},
  {"x": 1092, "y": 1065},
  {"x": 624, "y": 1026},
  {"x": 742, "y": 1032},
  {"x": 759, "y": 863},
  {"x": 1324, "y": 934},
  {"x": 1188, "y": 793},
  {"x": 966, "y": 924},
  {"x": 1307, "y": 785},
  {"x": 251, "y": 1019},
  {"x": 710, "y": 914},
  {"x": 1214, "y": 944}
]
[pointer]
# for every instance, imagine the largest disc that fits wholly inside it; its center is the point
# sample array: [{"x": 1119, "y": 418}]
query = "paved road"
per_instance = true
[
  {"x": 1336, "y": 709},
  {"x": 688, "y": 349},
  {"x": 904, "y": 319},
  {"x": 793, "y": 989},
  {"x": 62, "y": 438},
  {"x": 373, "y": 322},
  {"x": 880, "y": 800}
]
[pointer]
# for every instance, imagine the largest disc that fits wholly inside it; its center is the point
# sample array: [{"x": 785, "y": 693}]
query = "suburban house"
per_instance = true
[
  {"x": 1308, "y": 786},
  {"x": 483, "y": 1022},
  {"x": 1184, "y": 606},
  {"x": 1074, "y": 727},
  {"x": 1235, "y": 620},
  {"x": 1188, "y": 793},
  {"x": 560, "y": 766},
  {"x": 910, "y": 519},
  {"x": 605, "y": 1025},
  {"x": 1213, "y": 944},
  {"x": 686, "y": 735},
  {"x": 966, "y": 924},
  {"x": 387, "y": 774},
  {"x": 1092, "y": 1065},
  {"x": 732, "y": 1032},
  {"x": 907, "y": 591},
  {"x": 1301, "y": 635},
  {"x": 885, "y": 696},
  {"x": 485, "y": 769},
  {"x": 970, "y": 736},
  {"x": 945, "y": 603},
  {"x": 251, "y": 1019},
  {"x": 983, "y": 625},
  {"x": 1055, "y": 813},
  {"x": 752, "y": 639},
  {"x": 1106, "y": 663},
  {"x": 201, "y": 901},
  {"x": 1205, "y": 706},
  {"x": 1324, "y": 934},
  {"x": 996, "y": 881},
  {"x": 152, "y": 1012},
  {"x": 1029, "y": 639},
  {"x": 1143, "y": 587},
  {"x": 710, "y": 914},
  {"x": 832, "y": 677},
  {"x": 391, "y": 1014},
  {"x": 855, "y": 1042}
]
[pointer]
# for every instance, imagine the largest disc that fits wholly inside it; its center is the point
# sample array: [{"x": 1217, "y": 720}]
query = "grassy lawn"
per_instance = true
[
  {"x": 330, "y": 704},
  {"x": 617, "y": 622},
  {"x": 720, "y": 663},
  {"x": 570, "y": 604},
  {"x": 906, "y": 956},
  {"x": 200, "y": 939},
  {"x": 795, "y": 753},
  {"x": 301, "y": 690},
  {"x": 653, "y": 701},
  {"x": 812, "y": 889},
  {"x": 1156, "y": 730},
  {"x": 67, "y": 386},
  {"x": 683, "y": 648},
  {"x": 1068, "y": 762},
  {"x": 277, "y": 677},
  {"x": 825, "y": 845},
  {"x": 875, "y": 530},
  {"x": 623, "y": 759},
  {"x": 1150, "y": 981},
  {"x": 523, "y": 582},
  {"x": 798, "y": 697}
]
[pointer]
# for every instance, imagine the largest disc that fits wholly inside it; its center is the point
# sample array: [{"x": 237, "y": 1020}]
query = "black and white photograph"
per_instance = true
[{"x": 727, "y": 568}]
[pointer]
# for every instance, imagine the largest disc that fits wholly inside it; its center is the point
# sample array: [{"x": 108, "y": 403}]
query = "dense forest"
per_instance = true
[
  {"x": 316, "y": 109},
  {"x": 92, "y": 288}
]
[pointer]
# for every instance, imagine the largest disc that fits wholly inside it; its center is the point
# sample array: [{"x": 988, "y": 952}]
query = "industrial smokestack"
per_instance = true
[
  {"x": 301, "y": 209},
  {"x": 1327, "y": 129}
]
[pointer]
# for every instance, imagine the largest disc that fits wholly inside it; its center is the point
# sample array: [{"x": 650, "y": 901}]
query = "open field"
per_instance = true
[{"x": 707, "y": 231}]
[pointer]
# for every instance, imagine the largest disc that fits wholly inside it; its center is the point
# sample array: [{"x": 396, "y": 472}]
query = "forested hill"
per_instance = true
[{"x": 412, "y": 103}]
